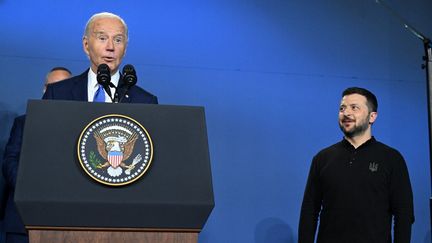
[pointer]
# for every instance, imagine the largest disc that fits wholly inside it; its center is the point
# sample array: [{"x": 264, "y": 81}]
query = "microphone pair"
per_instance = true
[{"x": 128, "y": 78}]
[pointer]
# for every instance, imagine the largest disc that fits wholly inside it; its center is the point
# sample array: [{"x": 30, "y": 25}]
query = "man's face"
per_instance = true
[
  {"x": 106, "y": 43},
  {"x": 354, "y": 115}
]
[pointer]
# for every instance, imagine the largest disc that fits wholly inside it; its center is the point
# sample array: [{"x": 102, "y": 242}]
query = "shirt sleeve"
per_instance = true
[
  {"x": 311, "y": 205},
  {"x": 401, "y": 201}
]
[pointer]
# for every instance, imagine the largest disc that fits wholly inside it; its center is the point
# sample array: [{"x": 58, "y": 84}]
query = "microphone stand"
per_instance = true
[
  {"x": 115, "y": 99},
  {"x": 107, "y": 88},
  {"x": 427, "y": 65}
]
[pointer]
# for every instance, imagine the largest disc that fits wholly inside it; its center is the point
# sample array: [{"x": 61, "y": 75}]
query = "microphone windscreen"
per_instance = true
[
  {"x": 103, "y": 74},
  {"x": 129, "y": 75}
]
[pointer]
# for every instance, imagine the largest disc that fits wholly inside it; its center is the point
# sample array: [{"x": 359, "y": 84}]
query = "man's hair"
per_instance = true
[
  {"x": 60, "y": 69},
  {"x": 57, "y": 69},
  {"x": 104, "y": 15},
  {"x": 371, "y": 99}
]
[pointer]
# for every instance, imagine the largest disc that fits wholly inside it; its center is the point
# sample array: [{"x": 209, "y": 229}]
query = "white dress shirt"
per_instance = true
[{"x": 93, "y": 85}]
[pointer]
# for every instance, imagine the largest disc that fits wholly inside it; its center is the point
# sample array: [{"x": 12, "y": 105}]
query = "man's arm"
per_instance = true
[
  {"x": 311, "y": 206},
  {"x": 401, "y": 201},
  {"x": 12, "y": 152}
]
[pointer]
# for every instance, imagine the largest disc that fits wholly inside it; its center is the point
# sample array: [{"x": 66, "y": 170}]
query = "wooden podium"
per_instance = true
[
  {"x": 86, "y": 235},
  {"x": 59, "y": 202}
]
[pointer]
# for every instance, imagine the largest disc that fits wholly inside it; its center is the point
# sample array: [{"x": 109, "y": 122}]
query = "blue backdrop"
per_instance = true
[{"x": 269, "y": 74}]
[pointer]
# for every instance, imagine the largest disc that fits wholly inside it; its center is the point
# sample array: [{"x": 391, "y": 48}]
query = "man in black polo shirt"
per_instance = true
[{"x": 359, "y": 186}]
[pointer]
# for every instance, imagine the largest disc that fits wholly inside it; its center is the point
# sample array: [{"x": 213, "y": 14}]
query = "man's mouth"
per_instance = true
[
  {"x": 108, "y": 59},
  {"x": 345, "y": 121}
]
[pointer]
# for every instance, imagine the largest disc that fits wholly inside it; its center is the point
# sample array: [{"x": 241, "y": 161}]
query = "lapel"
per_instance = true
[
  {"x": 126, "y": 98},
  {"x": 79, "y": 89}
]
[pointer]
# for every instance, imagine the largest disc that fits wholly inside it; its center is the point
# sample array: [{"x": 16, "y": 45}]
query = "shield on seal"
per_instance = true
[{"x": 115, "y": 158}]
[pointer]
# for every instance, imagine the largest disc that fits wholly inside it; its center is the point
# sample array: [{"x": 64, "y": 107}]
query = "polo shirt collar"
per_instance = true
[{"x": 348, "y": 145}]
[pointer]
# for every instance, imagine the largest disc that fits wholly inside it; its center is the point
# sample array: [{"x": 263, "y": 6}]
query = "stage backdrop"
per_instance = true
[{"x": 269, "y": 74}]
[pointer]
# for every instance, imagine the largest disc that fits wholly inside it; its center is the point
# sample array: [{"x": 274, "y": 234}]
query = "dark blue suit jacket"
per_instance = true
[
  {"x": 74, "y": 88},
  {"x": 12, "y": 222}
]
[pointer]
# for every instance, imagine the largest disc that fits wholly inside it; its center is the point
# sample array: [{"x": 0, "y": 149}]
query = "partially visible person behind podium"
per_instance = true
[
  {"x": 104, "y": 42},
  {"x": 56, "y": 74},
  {"x": 13, "y": 227}
]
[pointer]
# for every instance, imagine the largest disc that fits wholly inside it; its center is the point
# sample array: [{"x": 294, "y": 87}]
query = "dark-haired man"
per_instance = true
[
  {"x": 357, "y": 187},
  {"x": 13, "y": 227},
  {"x": 56, "y": 74}
]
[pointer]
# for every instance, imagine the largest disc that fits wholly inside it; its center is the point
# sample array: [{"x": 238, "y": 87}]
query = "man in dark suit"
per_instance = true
[
  {"x": 105, "y": 41},
  {"x": 13, "y": 227}
]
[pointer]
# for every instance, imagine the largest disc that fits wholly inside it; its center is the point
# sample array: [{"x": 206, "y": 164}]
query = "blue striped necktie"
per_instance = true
[{"x": 99, "y": 95}]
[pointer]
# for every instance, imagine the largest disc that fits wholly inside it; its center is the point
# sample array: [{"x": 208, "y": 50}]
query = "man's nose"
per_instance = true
[
  {"x": 347, "y": 112},
  {"x": 110, "y": 45}
]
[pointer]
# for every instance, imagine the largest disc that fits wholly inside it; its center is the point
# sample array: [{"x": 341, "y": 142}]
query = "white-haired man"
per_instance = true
[{"x": 105, "y": 41}]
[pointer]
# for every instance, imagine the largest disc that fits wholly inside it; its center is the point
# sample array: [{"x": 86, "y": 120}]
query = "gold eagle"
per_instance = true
[{"x": 104, "y": 148}]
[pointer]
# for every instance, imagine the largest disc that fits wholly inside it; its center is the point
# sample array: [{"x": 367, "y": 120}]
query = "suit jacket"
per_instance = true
[
  {"x": 74, "y": 88},
  {"x": 12, "y": 221}
]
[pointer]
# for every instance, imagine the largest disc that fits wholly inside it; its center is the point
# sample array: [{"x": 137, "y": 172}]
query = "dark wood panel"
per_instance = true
[{"x": 56, "y": 236}]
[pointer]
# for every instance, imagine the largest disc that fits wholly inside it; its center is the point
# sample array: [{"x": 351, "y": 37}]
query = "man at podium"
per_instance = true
[{"x": 104, "y": 42}]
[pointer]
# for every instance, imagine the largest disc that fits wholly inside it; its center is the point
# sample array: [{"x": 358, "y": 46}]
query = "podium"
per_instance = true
[{"x": 59, "y": 202}]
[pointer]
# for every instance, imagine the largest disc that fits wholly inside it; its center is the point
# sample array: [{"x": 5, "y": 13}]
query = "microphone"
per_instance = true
[
  {"x": 104, "y": 78},
  {"x": 129, "y": 75},
  {"x": 103, "y": 75},
  {"x": 128, "y": 79}
]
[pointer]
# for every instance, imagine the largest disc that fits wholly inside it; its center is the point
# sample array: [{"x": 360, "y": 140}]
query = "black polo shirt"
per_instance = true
[{"x": 355, "y": 193}]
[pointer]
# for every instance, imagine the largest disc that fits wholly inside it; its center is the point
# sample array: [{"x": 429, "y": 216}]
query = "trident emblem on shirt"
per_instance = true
[{"x": 373, "y": 166}]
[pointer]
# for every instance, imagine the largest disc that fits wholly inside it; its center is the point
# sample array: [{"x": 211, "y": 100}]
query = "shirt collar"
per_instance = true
[
  {"x": 93, "y": 85},
  {"x": 92, "y": 79},
  {"x": 347, "y": 144}
]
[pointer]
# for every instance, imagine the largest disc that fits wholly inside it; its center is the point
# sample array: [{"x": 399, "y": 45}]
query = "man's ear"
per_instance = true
[
  {"x": 372, "y": 117},
  {"x": 85, "y": 45}
]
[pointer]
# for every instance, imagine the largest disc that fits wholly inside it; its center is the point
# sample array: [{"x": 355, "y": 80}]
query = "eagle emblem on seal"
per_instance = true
[{"x": 116, "y": 150}]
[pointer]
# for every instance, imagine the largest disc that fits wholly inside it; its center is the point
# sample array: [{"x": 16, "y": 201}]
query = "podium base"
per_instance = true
[{"x": 111, "y": 236}]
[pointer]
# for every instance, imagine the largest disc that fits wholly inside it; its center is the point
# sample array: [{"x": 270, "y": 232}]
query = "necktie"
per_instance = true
[{"x": 99, "y": 95}]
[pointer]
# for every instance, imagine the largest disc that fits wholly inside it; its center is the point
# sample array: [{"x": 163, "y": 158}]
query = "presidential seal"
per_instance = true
[{"x": 115, "y": 150}]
